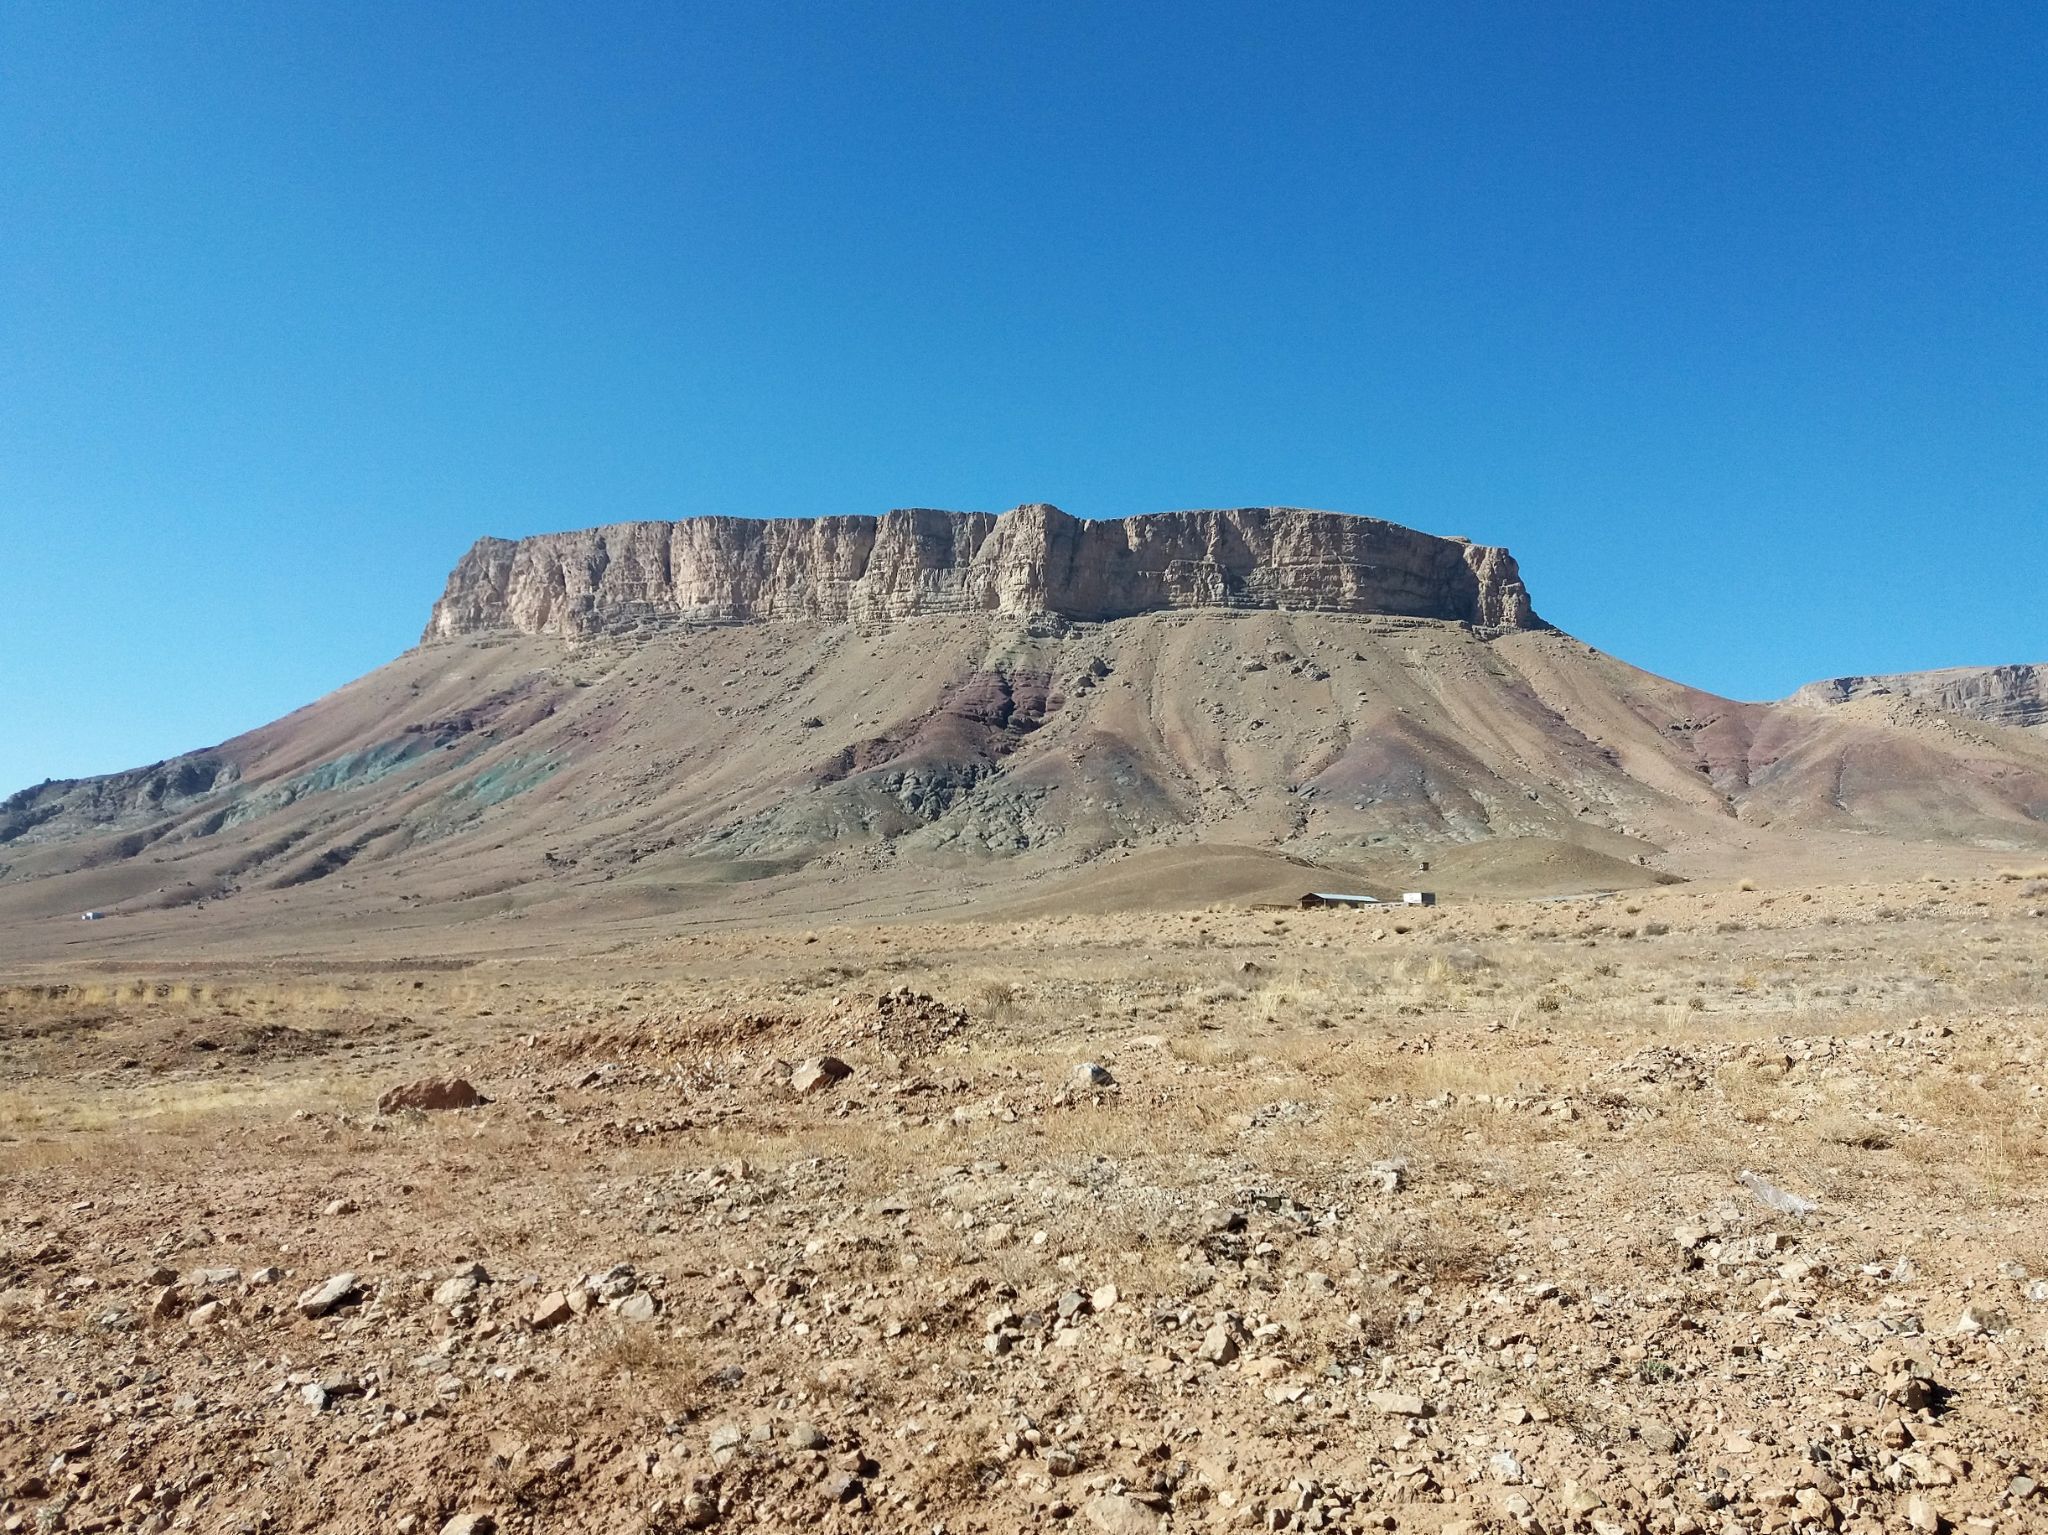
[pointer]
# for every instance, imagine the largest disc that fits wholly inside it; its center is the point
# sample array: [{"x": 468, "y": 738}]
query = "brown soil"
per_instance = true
[{"x": 1392, "y": 1220}]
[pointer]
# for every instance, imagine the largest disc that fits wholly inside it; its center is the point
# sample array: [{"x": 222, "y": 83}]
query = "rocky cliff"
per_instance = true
[
  {"x": 1997, "y": 695},
  {"x": 1035, "y": 559}
]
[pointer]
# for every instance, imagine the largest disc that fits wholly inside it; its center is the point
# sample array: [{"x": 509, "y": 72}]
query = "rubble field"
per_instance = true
[{"x": 1681, "y": 1210}]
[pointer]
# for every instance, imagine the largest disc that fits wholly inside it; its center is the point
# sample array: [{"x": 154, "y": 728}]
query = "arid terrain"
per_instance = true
[
  {"x": 789, "y": 1025},
  {"x": 606, "y": 736},
  {"x": 1688, "y": 1208}
]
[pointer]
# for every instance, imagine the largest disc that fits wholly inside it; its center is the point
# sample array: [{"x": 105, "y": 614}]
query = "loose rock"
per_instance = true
[
  {"x": 431, "y": 1094},
  {"x": 819, "y": 1073},
  {"x": 324, "y": 1297}
]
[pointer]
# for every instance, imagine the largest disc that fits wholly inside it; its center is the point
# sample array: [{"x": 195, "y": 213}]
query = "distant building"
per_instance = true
[
  {"x": 1419, "y": 898},
  {"x": 1327, "y": 898},
  {"x": 91, "y": 916}
]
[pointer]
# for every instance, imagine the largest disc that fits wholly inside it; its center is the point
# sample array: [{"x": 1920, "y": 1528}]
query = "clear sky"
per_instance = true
[{"x": 1730, "y": 319}]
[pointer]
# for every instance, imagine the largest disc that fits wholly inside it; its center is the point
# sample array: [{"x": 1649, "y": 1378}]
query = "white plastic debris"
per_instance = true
[{"x": 1775, "y": 1197}]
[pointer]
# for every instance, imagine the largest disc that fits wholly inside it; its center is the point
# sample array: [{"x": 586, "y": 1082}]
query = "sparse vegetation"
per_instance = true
[{"x": 1459, "y": 1156}]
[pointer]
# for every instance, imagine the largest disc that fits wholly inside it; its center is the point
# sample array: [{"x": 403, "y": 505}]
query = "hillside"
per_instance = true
[{"x": 518, "y": 775}]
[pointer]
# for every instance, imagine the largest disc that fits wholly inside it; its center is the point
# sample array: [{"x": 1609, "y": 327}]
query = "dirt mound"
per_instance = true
[
  {"x": 1173, "y": 878},
  {"x": 1518, "y": 866}
]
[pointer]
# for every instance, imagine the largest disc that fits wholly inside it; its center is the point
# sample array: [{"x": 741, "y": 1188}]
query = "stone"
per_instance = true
[
  {"x": 1397, "y": 1404},
  {"x": 1813, "y": 1505},
  {"x": 470, "y": 1524},
  {"x": 1105, "y": 1298},
  {"x": 1579, "y": 1501},
  {"x": 1092, "y": 1077},
  {"x": 324, "y": 1297},
  {"x": 460, "y": 1287},
  {"x": 637, "y": 1307},
  {"x": 552, "y": 1310},
  {"x": 1115, "y": 1514},
  {"x": 819, "y": 1073},
  {"x": 431, "y": 1094},
  {"x": 1659, "y": 1436},
  {"x": 1219, "y": 1345},
  {"x": 1922, "y": 1515},
  {"x": 1911, "y": 1388},
  {"x": 1979, "y": 1318},
  {"x": 841, "y": 1487},
  {"x": 805, "y": 1436},
  {"x": 314, "y": 1395}
]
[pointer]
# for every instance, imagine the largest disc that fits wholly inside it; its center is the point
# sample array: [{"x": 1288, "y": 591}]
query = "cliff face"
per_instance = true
[
  {"x": 1997, "y": 695},
  {"x": 1035, "y": 559}
]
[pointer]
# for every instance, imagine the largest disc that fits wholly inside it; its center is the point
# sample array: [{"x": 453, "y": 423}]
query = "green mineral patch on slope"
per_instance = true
[
  {"x": 502, "y": 780},
  {"x": 463, "y": 803},
  {"x": 351, "y": 770}
]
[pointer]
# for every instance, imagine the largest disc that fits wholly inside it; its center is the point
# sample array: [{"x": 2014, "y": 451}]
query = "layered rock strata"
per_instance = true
[
  {"x": 1035, "y": 559},
  {"x": 1997, "y": 695}
]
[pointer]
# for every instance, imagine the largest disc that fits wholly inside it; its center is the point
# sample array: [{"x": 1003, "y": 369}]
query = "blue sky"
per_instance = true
[{"x": 1728, "y": 319}]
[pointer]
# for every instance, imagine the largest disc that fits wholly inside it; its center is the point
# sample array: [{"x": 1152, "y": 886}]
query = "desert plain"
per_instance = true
[{"x": 1716, "y": 1206}]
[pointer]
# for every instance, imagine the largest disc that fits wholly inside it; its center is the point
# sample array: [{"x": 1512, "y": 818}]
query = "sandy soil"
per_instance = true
[{"x": 1679, "y": 1209}]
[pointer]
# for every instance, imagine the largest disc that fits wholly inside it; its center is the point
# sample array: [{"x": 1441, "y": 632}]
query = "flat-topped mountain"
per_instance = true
[
  {"x": 918, "y": 563},
  {"x": 715, "y": 719},
  {"x": 1997, "y": 695}
]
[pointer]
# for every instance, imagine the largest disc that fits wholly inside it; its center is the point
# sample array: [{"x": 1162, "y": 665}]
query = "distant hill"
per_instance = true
[{"x": 1997, "y": 695}]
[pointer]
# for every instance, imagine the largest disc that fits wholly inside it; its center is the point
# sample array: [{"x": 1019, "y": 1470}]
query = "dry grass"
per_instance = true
[{"x": 1558, "y": 1086}]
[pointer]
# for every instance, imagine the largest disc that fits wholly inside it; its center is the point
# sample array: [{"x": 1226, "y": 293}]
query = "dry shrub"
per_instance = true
[
  {"x": 1206, "y": 1049},
  {"x": 1431, "y": 1250},
  {"x": 1845, "y": 1127},
  {"x": 996, "y": 1001},
  {"x": 654, "y": 1374}
]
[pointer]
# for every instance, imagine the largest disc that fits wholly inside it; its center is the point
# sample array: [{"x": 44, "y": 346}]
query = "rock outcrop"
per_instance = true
[
  {"x": 1996, "y": 695},
  {"x": 1035, "y": 559}
]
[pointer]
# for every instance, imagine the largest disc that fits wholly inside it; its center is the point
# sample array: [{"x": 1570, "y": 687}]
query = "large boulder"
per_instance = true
[{"x": 430, "y": 1093}]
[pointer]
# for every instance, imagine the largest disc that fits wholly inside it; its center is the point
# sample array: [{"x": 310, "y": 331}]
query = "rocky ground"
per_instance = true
[{"x": 1681, "y": 1210}]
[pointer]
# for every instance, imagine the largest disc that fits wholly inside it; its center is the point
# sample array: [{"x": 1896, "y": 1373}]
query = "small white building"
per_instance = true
[{"x": 1419, "y": 898}]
